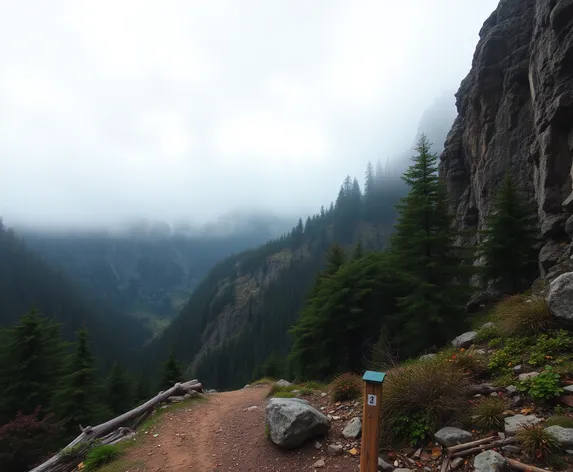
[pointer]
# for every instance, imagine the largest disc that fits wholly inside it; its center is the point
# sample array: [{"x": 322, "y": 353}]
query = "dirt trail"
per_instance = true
[{"x": 221, "y": 435}]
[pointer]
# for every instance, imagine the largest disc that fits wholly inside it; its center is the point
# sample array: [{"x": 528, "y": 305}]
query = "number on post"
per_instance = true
[{"x": 371, "y": 400}]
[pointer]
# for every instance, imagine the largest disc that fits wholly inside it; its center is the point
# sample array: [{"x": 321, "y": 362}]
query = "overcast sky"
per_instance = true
[{"x": 111, "y": 110}]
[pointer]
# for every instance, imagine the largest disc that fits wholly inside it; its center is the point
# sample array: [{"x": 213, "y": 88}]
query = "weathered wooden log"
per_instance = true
[
  {"x": 516, "y": 465},
  {"x": 484, "y": 389},
  {"x": 483, "y": 447},
  {"x": 60, "y": 461},
  {"x": 461, "y": 447}
]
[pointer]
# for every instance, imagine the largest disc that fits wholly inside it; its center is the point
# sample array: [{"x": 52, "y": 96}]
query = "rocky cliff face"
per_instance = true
[{"x": 515, "y": 113}]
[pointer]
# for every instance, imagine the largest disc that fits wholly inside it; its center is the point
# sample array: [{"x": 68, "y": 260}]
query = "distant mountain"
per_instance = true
[
  {"x": 26, "y": 281},
  {"x": 149, "y": 270}
]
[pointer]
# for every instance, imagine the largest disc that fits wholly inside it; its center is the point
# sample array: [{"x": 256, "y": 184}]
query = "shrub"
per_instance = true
[
  {"x": 305, "y": 392},
  {"x": 101, "y": 455},
  {"x": 487, "y": 334},
  {"x": 284, "y": 395},
  {"x": 314, "y": 385},
  {"x": 544, "y": 386},
  {"x": 560, "y": 420},
  {"x": 522, "y": 316},
  {"x": 512, "y": 352},
  {"x": 537, "y": 443},
  {"x": 346, "y": 387},
  {"x": 487, "y": 413},
  {"x": 281, "y": 389},
  {"x": 25, "y": 440},
  {"x": 548, "y": 345},
  {"x": 470, "y": 362},
  {"x": 429, "y": 394}
]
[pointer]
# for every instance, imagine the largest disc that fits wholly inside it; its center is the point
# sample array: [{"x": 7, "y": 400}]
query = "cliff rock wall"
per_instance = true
[{"x": 515, "y": 113}]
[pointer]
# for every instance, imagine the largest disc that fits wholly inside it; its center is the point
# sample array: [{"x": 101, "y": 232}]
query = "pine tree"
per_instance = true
[
  {"x": 426, "y": 256},
  {"x": 31, "y": 361},
  {"x": 358, "y": 251},
  {"x": 78, "y": 401},
  {"x": 369, "y": 182},
  {"x": 171, "y": 373},
  {"x": 119, "y": 396},
  {"x": 508, "y": 247}
]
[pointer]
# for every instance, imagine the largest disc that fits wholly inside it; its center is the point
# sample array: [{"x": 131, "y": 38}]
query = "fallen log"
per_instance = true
[
  {"x": 461, "y": 447},
  {"x": 484, "y": 389},
  {"x": 63, "y": 460},
  {"x": 483, "y": 447},
  {"x": 516, "y": 465}
]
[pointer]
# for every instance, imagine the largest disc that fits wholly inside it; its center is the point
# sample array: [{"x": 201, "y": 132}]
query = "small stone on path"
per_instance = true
[
  {"x": 384, "y": 466},
  {"x": 335, "y": 449},
  {"x": 353, "y": 429},
  {"x": 319, "y": 464}
]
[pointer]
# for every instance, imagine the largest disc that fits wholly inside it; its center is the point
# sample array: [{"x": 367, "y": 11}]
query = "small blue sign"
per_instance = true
[{"x": 374, "y": 377}]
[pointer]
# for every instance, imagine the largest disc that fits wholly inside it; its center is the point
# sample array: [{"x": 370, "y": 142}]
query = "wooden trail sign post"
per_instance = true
[{"x": 371, "y": 419}]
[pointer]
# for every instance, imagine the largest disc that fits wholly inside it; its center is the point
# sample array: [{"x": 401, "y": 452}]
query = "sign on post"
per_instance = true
[{"x": 371, "y": 419}]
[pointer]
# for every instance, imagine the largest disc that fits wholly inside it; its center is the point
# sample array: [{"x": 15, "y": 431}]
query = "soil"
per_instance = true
[{"x": 223, "y": 434}]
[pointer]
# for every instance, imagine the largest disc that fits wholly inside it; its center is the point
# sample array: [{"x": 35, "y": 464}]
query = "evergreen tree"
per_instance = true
[
  {"x": 119, "y": 396},
  {"x": 358, "y": 251},
  {"x": 31, "y": 360},
  {"x": 78, "y": 400},
  {"x": 369, "y": 182},
  {"x": 510, "y": 239},
  {"x": 171, "y": 373},
  {"x": 426, "y": 257}
]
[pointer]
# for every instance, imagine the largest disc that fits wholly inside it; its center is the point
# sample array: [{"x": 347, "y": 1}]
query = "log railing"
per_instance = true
[{"x": 111, "y": 431}]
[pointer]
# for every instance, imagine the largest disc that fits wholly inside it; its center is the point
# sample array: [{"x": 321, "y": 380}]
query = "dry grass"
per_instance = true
[
  {"x": 538, "y": 444},
  {"x": 522, "y": 316},
  {"x": 487, "y": 413},
  {"x": 434, "y": 390}
]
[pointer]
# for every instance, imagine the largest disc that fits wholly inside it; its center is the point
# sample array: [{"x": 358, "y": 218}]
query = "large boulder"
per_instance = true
[
  {"x": 489, "y": 461},
  {"x": 564, "y": 436},
  {"x": 292, "y": 422},
  {"x": 464, "y": 340},
  {"x": 561, "y": 297},
  {"x": 514, "y": 423},
  {"x": 450, "y": 436}
]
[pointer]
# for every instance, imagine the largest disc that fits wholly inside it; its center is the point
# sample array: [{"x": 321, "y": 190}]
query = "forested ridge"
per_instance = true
[{"x": 240, "y": 314}]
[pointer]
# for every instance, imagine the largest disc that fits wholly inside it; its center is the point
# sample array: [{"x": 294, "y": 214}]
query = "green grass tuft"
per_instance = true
[
  {"x": 487, "y": 413},
  {"x": 522, "y": 316},
  {"x": 560, "y": 420},
  {"x": 100, "y": 456}
]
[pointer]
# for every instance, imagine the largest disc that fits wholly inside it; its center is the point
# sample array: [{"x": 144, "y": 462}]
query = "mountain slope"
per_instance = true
[
  {"x": 26, "y": 281},
  {"x": 148, "y": 271},
  {"x": 241, "y": 312}
]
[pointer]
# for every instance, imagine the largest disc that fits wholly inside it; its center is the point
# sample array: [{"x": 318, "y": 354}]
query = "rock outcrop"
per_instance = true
[{"x": 515, "y": 111}]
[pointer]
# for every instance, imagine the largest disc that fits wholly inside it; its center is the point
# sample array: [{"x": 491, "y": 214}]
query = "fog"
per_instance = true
[{"x": 186, "y": 111}]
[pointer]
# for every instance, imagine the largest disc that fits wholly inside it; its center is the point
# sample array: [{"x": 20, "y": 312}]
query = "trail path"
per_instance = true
[{"x": 221, "y": 435}]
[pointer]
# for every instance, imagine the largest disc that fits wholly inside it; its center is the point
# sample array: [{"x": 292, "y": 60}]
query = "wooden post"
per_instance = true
[{"x": 371, "y": 419}]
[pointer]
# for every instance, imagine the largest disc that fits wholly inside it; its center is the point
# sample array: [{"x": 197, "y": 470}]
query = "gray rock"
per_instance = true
[
  {"x": 319, "y": 464},
  {"x": 511, "y": 389},
  {"x": 489, "y": 461},
  {"x": 292, "y": 422},
  {"x": 480, "y": 300},
  {"x": 568, "y": 388},
  {"x": 384, "y": 466},
  {"x": 487, "y": 325},
  {"x": 247, "y": 386},
  {"x": 283, "y": 383},
  {"x": 514, "y": 423},
  {"x": 560, "y": 297},
  {"x": 549, "y": 255},
  {"x": 464, "y": 340},
  {"x": 518, "y": 369},
  {"x": 449, "y": 436},
  {"x": 528, "y": 375},
  {"x": 563, "y": 435},
  {"x": 569, "y": 451},
  {"x": 569, "y": 227},
  {"x": 317, "y": 445},
  {"x": 335, "y": 449},
  {"x": 456, "y": 462},
  {"x": 210, "y": 390},
  {"x": 427, "y": 357},
  {"x": 353, "y": 429}
]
